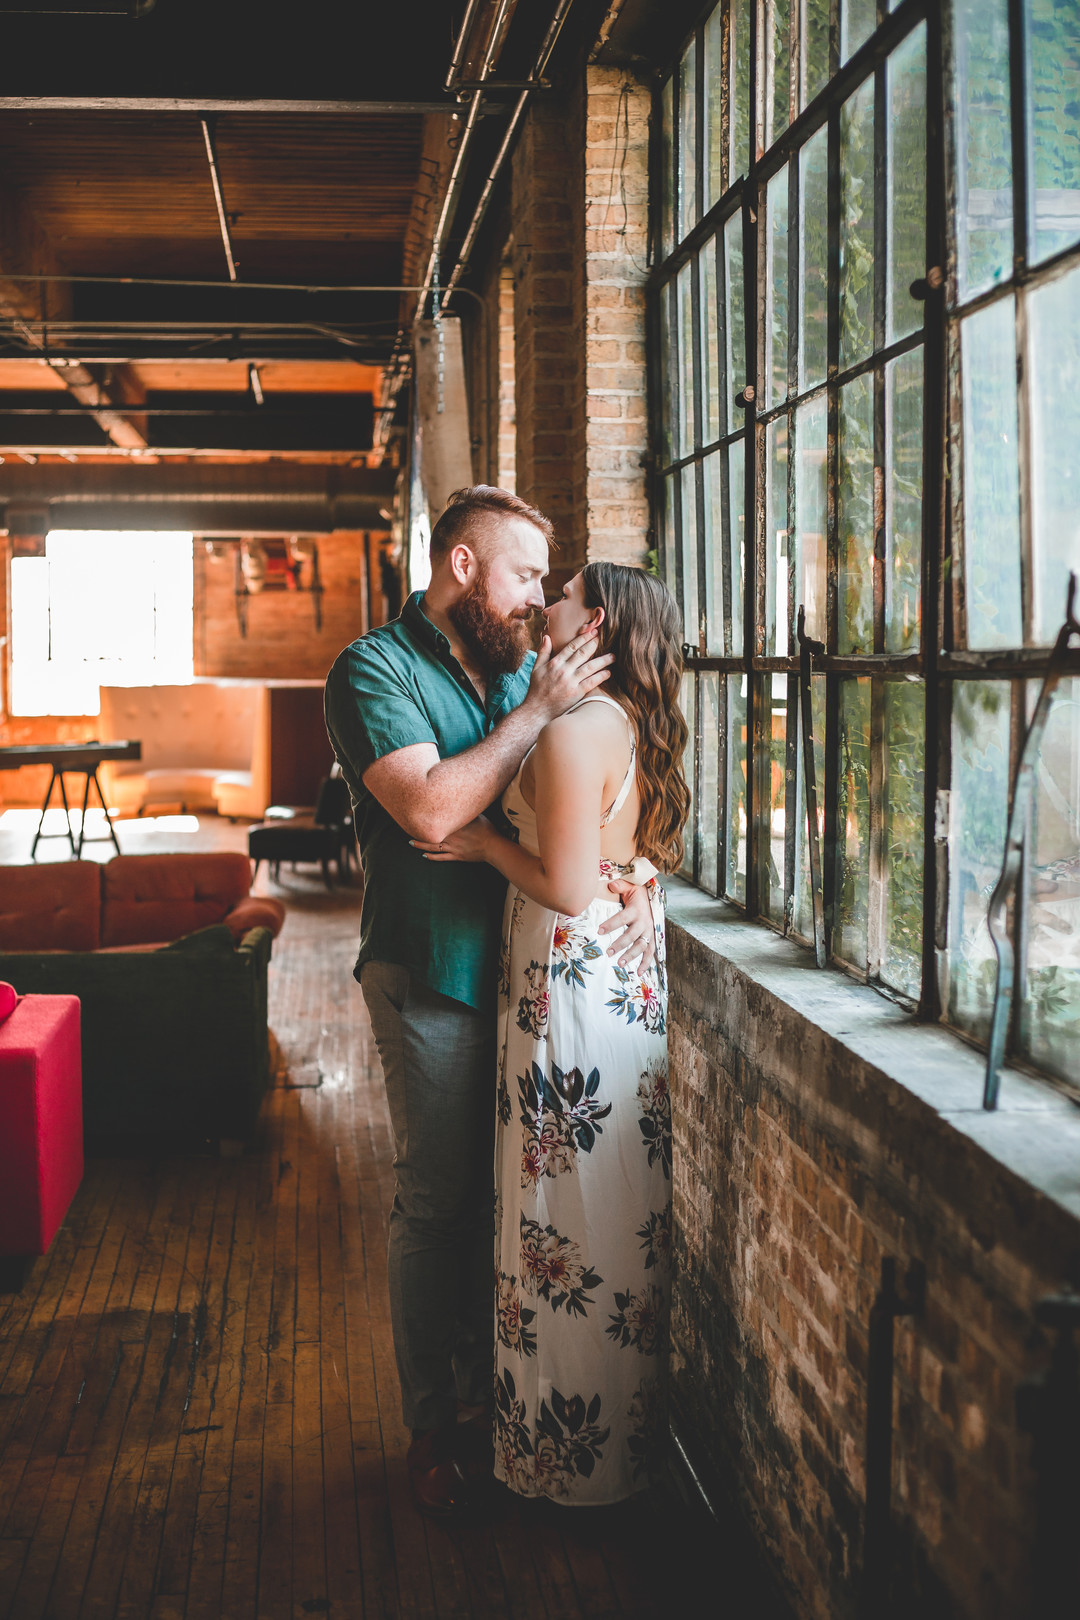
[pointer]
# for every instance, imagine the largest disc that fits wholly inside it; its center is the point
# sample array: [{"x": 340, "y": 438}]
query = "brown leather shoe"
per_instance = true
[{"x": 436, "y": 1479}]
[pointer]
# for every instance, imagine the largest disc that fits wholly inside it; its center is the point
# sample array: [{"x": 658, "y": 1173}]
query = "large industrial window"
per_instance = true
[{"x": 866, "y": 368}]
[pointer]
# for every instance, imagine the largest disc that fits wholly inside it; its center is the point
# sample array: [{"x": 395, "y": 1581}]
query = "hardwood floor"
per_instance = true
[{"x": 199, "y": 1411}]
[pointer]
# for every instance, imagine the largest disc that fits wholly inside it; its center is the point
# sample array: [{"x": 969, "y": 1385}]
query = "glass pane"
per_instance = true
[
  {"x": 814, "y": 260},
  {"x": 858, "y": 19},
  {"x": 667, "y": 168},
  {"x": 688, "y": 155},
  {"x": 991, "y": 485},
  {"x": 811, "y": 507},
  {"x": 735, "y": 884},
  {"x": 857, "y": 225},
  {"x": 1050, "y": 1011},
  {"x": 710, "y": 352},
  {"x": 1054, "y": 360},
  {"x": 715, "y": 178},
  {"x": 777, "y": 68},
  {"x": 688, "y": 702},
  {"x": 1052, "y": 46},
  {"x": 905, "y": 730},
  {"x": 714, "y": 554},
  {"x": 737, "y": 374},
  {"x": 690, "y": 557},
  {"x": 774, "y": 727},
  {"x": 855, "y": 573},
  {"x": 906, "y": 189},
  {"x": 804, "y": 906},
  {"x": 710, "y": 778},
  {"x": 849, "y": 941},
  {"x": 776, "y": 538},
  {"x": 776, "y": 315},
  {"x": 737, "y": 539},
  {"x": 685, "y": 311},
  {"x": 982, "y": 143},
  {"x": 978, "y": 810},
  {"x": 741, "y": 25},
  {"x": 670, "y": 554},
  {"x": 815, "y": 49},
  {"x": 669, "y": 401},
  {"x": 903, "y": 499}
]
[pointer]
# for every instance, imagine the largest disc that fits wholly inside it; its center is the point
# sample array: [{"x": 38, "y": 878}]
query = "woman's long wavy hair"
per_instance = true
[{"x": 642, "y": 628}]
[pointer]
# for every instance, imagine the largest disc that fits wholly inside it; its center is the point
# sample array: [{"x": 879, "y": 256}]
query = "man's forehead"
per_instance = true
[{"x": 518, "y": 540}]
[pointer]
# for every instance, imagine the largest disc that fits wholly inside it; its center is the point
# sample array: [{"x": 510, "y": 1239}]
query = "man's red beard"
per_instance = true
[{"x": 497, "y": 641}]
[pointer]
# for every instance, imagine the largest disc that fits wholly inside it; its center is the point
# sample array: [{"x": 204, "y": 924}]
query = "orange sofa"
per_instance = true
[{"x": 168, "y": 955}]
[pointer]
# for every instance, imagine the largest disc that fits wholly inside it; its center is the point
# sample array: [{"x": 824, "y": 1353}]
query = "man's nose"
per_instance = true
[{"x": 536, "y": 598}]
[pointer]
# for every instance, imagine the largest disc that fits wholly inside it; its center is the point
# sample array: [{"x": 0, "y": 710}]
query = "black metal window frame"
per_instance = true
[{"x": 939, "y": 658}]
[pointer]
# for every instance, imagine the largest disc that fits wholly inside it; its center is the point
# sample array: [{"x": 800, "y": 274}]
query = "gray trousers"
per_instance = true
[{"x": 438, "y": 1059}]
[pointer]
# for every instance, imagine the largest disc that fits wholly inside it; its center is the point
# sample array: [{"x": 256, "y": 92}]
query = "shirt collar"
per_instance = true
[{"x": 413, "y": 615}]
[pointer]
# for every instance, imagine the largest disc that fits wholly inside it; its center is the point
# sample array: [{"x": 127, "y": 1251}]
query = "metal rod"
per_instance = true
[
  {"x": 214, "y": 286},
  {"x": 219, "y": 198},
  {"x": 1007, "y": 886},
  {"x": 256, "y": 384},
  {"x": 459, "y": 44}
]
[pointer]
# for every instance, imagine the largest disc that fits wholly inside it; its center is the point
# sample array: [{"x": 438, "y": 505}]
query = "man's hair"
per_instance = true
[{"x": 469, "y": 511}]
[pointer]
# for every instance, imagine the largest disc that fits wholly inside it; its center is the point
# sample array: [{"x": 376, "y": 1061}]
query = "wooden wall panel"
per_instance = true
[{"x": 282, "y": 642}]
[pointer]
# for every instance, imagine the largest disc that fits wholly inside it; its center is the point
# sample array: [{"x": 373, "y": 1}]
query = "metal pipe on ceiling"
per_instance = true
[
  {"x": 216, "y": 286},
  {"x": 459, "y": 47},
  {"x": 219, "y": 197}
]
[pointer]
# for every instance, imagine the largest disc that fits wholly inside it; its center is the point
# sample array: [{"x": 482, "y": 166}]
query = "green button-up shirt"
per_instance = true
[{"x": 401, "y": 684}]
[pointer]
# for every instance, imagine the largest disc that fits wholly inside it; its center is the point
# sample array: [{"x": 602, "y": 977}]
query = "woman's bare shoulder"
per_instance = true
[{"x": 589, "y": 724}]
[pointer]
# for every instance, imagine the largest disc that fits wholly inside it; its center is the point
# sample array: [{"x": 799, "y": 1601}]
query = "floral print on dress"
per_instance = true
[
  {"x": 561, "y": 1117},
  {"x": 639, "y": 999},
  {"x": 639, "y": 1320},
  {"x": 512, "y": 1318},
  {"x": 567, "y": 1443},
  {"x": 552, "y": 1268},
  {"x": 572, "y": 949},
  {"x": 655, "y": 1121},
  {"x": 655, "y": 1238},
  {"x": 533, "y": 1008}
]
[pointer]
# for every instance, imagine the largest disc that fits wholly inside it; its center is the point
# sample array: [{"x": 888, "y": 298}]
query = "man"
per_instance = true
[{"x": 430, "y": 717}]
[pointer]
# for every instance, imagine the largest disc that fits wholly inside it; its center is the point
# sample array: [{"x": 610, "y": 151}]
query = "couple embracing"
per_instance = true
[{"x": 513, "y": 811}]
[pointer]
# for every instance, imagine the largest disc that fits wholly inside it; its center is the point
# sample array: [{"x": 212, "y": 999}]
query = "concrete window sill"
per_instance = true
[{"x": 1035, "y": 1133}]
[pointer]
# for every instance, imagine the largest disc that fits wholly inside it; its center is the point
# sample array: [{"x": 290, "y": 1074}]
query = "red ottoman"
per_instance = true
[{"x": 41, "y": 1145}]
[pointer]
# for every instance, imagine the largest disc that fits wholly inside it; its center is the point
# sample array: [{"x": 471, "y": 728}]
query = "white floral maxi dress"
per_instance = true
[{"x": 583, "y": 1180}]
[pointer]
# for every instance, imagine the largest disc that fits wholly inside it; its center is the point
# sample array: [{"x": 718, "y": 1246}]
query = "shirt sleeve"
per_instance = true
[{"x": 371, "y": 711}]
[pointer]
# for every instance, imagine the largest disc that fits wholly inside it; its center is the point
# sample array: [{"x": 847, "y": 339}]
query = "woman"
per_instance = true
[{"x": 583, "y": 1152}]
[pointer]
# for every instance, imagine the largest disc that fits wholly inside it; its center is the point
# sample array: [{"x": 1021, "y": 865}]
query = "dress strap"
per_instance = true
[{"x": 628, "y": 779}]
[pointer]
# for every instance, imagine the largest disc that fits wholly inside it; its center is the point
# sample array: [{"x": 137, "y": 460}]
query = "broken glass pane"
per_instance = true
[
  {"x": 903, "y": 499},
  {"x": 688, "y": 208},
  {"x": 776, "y": 538},
  {"x": 735, "y": 884},
  {"x": 982, "y": 145},
  {"x": 1050, "y": 1010},
  {"x": 1054, "y": 360},
  {"x": 855, "y": 570},
  {"x": 991, "y": 492},
  {"x": 858, "y": 19},
  {"x": 776, "y": 314},
  {"x": 715, "y": 177},
  {"x": 737, "y": 538},
  {"x": 975, "y": 827},
  {"x": 857, "y": 225},
  {"x": 1052, "y": 47},
  {"x": 814, "y": 260},
  {"x": 710, "y": 778},
  {"x": 811, "y": 514},
  {"x": 815, "y": 49},
  {"x": 905, "y": 731},
  {"x": 906, "y": 187},
  {"x": 849, "y": 938}
]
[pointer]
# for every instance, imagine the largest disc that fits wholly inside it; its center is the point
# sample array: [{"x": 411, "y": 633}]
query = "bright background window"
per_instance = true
[{"x": 99, "y": 609}]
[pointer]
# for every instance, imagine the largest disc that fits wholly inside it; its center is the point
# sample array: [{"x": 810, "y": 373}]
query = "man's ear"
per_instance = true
[{"x": 462, "y": 561}]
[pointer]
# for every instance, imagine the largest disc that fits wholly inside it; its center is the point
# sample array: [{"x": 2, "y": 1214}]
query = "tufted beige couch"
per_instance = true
[{"x": 204, "y": 747}]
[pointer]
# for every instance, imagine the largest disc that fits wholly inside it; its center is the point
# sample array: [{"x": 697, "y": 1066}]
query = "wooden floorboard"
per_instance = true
[{"x": 199, "y": 1410}]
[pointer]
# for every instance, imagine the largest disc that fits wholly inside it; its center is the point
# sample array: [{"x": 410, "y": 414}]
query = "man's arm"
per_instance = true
[{"x": 430, "y": 797}]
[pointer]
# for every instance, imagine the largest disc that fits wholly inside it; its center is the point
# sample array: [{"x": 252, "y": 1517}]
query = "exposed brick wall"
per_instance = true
[
  {"x": 797, "y": 1168},
  {"x": 506, "y": 432},
  {"x": 616, "y": 247}
]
